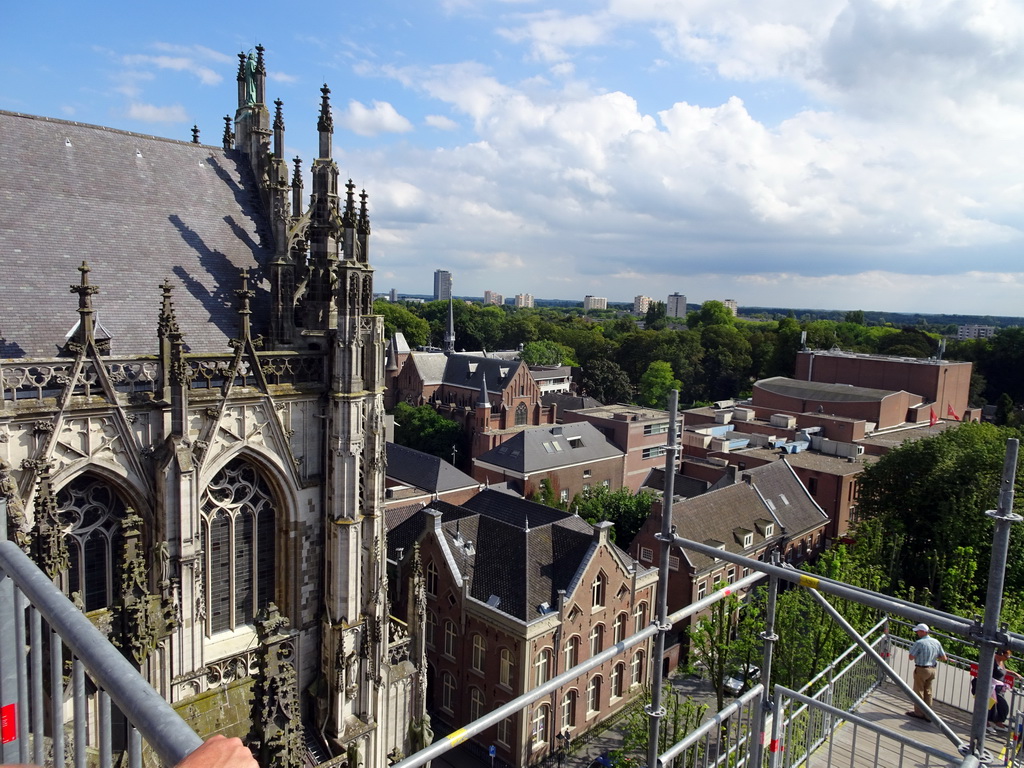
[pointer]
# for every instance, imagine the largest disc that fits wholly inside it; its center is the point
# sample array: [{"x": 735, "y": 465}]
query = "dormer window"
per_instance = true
[{"x": 748, "y": 540}]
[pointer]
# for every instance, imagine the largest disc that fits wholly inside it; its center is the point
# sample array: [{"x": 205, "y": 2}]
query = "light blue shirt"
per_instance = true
[{"x": 926, "y": 651}]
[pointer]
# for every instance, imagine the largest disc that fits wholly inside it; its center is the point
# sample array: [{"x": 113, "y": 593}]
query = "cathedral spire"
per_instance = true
[
  {"x": 325, "y": 125},
  {"x": 484, "y": 401},
  {"x": 278, "y": 129}
]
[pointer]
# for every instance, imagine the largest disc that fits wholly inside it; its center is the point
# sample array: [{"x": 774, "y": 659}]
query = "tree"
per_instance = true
[
  {"x": 398, "y": 318},
  {"x": 929, "y": 497},
  {"x": 712, "y": 641},
  {"x": 546, "y": 353},
  {"x": 710, "y": 313},
  {"x": 656, "y": 383},
  {"x": 682, "y": 715},
  {"x": 656, "y": 317},
  {"x": 606, "y": 382},
  {"x": 422, "y": 428},
  {"x": 627, "y": 511}
]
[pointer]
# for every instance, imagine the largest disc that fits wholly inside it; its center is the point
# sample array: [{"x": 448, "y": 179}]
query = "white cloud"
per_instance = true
[
  {"x": 281, "y": 77},
  {"x": 205, "y": 75},
  {"x": 379, "y": 118},
  {"x": 150, "y": 113},
  {"x": 440, "y": 122}
]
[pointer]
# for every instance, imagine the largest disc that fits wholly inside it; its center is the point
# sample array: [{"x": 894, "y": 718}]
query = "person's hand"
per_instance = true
[{"x": 220, "y": 752}]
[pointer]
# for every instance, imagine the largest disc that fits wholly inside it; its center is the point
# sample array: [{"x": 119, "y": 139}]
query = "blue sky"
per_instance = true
[{"x": 849, "y": 154}]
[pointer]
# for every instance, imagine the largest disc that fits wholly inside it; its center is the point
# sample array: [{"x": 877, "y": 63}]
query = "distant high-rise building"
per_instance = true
[
  {"x": 975, "y": 332},
  {"x": 492, "y": 297},
  {"x": 676, "y": 305},
  {"x": 524, "y": 299},
  {"x": 393, "y": 296},
  {"x": 594, "y": 302},
  {"x": 732, "y": 306},
  {"x": 641, "y": 304},
  {"x": 442, "y": 285}
]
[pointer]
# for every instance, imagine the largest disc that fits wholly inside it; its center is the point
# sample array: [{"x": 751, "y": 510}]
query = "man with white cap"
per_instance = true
[{"x": 926, "y": 652}]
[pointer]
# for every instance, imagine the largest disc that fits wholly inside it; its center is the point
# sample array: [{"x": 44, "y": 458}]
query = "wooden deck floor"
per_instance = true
[{"x": 858, "y": 747}]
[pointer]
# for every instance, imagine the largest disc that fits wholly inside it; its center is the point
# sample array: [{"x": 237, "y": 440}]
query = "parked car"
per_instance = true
[{"x": 741, "y": 680}]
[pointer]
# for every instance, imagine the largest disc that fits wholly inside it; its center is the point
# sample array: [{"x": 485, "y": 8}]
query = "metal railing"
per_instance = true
[{"x": 41, "y": 632}]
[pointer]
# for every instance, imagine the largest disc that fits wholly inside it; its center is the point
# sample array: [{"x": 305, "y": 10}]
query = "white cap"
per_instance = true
[{"x": 921, "y": 628}]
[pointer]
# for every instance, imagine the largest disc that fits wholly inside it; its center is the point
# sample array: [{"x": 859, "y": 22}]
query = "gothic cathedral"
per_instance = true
[{"x": 192, "y": 443}]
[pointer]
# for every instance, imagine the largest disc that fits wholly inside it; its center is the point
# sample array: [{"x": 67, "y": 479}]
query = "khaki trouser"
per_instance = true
[{"x": 923, "y": 679}]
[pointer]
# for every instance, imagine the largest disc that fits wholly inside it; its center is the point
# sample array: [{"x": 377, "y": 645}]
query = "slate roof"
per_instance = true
[
  {"x": 429, "y": 366},
  {"x": 432, "y": 474},
  {"x": 518, "y": 551},
  {"x": 816, "y": 390},
  {"x": 683, "y": 485},
  {"x": 566, "y": 402},
  {"x": 774, "y": 493},
  {"x": 541, "y": 449},
  {"x": 466, "y": 370},
  {"x": 139, "y": 209}
]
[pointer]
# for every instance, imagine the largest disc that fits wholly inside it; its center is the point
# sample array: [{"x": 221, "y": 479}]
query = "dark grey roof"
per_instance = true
[
  {"x": 816, "y": 390},
  {"x": 412, "y": 467},
  {"x": 139, "y": 209},
  {"x": 773, "y": 493},
  {"x": 683, "y": 486},
  {"x": 466, "y": 370},
  {"x": 518, "y": 551},
  {"x": 566, "y": 402},
  {"x": 540, "y": 449},
  {"x": 429, "y": 366}
]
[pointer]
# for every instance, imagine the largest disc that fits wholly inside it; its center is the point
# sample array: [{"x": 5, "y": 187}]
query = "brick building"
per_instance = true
[
  {"x": 517, "y": 593},
  {"x": 641, "y": 433}
]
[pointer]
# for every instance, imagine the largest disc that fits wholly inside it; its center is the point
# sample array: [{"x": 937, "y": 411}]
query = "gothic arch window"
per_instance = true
[
  {"x": 91, "y": 513},
  {"x": 520, "y": 414},
  {"x": 238, "y": 541}
]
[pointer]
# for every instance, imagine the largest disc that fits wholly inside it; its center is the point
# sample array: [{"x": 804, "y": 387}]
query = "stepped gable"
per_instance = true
[{"x": 139, "y": 209}]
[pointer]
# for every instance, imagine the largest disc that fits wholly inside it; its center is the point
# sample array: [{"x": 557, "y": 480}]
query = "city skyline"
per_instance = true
[{"x": 848, "y": 155}]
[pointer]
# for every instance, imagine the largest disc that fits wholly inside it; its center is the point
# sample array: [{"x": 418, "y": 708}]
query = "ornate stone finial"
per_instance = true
[
  {"x": 167, "y": 325},
  {"x": 245, "y": 294},
  {"x": 51, "y": 548},
  {"x": 229, "y": 135},
  {"x": 276, "y": 732},
  {"x": 85, "y": 311},
  {"x": 241, "y": 66},
  {"x": 348, "y": 216},
  {"x": 326, "y": 122},
  {"x": 259, "y": 60},
  {"x": 195, "y": 134},
  {"x": 138, "y": 618},
  {"x": 278, "y": 115},
  {"x": 364, "y": 216},
  {"x": 297, "y": 176}
]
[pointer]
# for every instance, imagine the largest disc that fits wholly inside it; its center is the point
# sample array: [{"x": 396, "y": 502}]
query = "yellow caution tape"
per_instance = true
[
  {"x": 457, "y": 737},
  {"x": 808, "y": 581}
]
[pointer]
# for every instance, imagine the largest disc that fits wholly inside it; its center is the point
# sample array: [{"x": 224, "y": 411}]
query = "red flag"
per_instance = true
[
  {"x": 933, "y": 418},
  {"x": 950, "y": 412}
]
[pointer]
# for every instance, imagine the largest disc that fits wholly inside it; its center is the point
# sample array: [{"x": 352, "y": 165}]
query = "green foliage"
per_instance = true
[
  {"x": 682, "y": 715},
  {"x": 656, "y": 317},
  {"x": 627, "y": 511},
  {"x": 547, "y": 353},
  {"x": 929, "y": 497},
  {"x": 545, "y": 495},
  {"x": 710, "y": 313},
  {"x": 656, "y": 383},
  {"x": 397, "y": 317},
  {"x": 606, "y": 382},
  {"x": 424, "y": 429},
  {"x": 713, "y": 643}
]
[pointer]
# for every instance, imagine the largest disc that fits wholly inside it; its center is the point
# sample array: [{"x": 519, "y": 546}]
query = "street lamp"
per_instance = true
[{"x": 564, "y": 740}]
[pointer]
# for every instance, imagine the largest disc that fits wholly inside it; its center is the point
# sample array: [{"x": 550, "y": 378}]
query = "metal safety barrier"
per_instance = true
[{"x": 42, "y": 631}]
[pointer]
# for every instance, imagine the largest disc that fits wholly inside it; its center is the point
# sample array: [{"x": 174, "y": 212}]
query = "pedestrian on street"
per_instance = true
[{"x": 926, "y": 652}]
